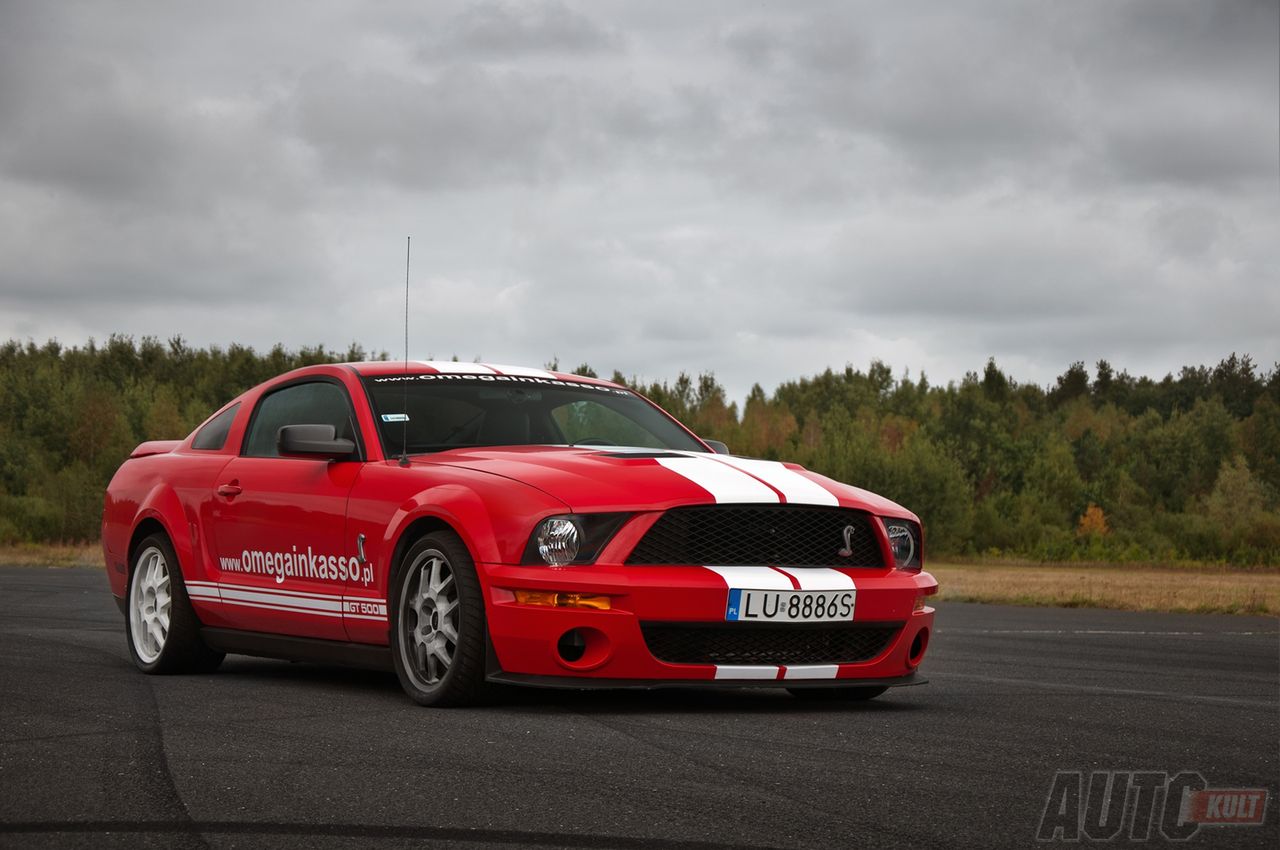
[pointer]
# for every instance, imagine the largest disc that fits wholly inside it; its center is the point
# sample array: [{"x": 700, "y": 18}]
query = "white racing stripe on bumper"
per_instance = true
[
  {"x": 775, "y": 578},
  {"x": 744, "y": 671},
  {"x": 725, "y": 483},
  {"x": 811, "y": 671},
  {"x": 752, "y": 578},
  {"x": 755, "y": 578},
  {"x": 795, "y": 488},
  {"x": 818, "y": 578}
]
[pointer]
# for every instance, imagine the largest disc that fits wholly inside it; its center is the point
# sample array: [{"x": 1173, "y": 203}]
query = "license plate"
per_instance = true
[{"x": 790, "y": 606}]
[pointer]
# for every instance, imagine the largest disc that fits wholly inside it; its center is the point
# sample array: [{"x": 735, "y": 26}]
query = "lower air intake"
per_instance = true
[{"x": 783, "y": 644}]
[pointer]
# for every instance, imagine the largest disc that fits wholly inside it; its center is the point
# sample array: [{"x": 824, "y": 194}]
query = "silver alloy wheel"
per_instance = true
[
  {"x": 151, "y": 601},
  {"x": 428, "y": 618}
]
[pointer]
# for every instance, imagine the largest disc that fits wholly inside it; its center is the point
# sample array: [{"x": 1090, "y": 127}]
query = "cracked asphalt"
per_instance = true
[{"x": 266, "y": 753}]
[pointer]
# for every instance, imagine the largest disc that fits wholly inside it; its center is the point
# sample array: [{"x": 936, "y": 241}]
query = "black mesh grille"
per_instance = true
[
  {"x": 760, "y": 535},
  {"x": 789, "y": 644}
]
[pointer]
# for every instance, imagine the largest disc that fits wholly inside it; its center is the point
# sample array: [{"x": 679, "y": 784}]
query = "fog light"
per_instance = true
[
  {"x": 572, "y": 646},
  {"x": 552, "y": 599},
  {"x": 918, "y": 646}
]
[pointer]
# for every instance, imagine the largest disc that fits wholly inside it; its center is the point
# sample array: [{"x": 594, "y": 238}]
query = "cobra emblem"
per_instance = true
[{"x": 847, "y": 551}]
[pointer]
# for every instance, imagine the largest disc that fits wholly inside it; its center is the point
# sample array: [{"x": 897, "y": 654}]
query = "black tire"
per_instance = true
[
  {"x": 837, "y": 694},
  {"x": 154, "y": 645},
  {"x": 437, "y": 613}
]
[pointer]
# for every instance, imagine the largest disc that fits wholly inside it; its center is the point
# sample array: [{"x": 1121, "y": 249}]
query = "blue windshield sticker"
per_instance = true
[{"x": 395, "y": 417}]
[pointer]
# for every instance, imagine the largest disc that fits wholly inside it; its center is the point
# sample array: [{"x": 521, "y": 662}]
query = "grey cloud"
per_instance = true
[
  {"x": 763, "y": 192},
  {"x": 1204, "y": 148},
  {"x": 1142, "y": 91},
  {"x": 509, "y": 29},
  {"x": 1189, "y": 230},
  {"x": 468, "y": 126},
  {"x": 465, "y": 126}
]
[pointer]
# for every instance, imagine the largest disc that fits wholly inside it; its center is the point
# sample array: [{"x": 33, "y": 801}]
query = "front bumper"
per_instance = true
[{"x": 527, "y": 639}]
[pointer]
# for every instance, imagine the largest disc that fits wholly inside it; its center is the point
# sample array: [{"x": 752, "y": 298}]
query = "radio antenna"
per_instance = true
[{"x": 404, "y": 423}]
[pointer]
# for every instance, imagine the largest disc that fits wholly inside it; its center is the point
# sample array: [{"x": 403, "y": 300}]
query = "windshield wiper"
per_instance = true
[{"x": 460, "y": 428}]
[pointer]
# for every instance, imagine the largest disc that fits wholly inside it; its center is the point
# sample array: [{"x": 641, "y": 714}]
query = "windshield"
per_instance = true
[{"x": 432, "y": 413}]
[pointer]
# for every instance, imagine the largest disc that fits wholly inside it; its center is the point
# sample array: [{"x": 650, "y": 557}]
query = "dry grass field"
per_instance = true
[
  {"x": 52, "y": 555},
  {"x": 1181, "y": 589}
]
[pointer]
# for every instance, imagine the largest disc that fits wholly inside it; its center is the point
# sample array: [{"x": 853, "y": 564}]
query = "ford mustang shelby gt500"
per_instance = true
[{"x": 464, "y": 524}]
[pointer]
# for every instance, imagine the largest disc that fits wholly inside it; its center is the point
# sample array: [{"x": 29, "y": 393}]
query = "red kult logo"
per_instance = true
[{"x": 1227, "y": 806}]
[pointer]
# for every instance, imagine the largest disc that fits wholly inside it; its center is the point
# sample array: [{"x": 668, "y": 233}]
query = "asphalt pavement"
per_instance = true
[{"x": 266, "y": 753}]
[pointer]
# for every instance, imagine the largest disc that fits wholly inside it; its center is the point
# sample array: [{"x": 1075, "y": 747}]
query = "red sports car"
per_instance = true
[{"x": 468, "y": 524}]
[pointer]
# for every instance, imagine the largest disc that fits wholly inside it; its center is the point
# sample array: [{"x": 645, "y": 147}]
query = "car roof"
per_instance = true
[{"x": 454, "y": 367}]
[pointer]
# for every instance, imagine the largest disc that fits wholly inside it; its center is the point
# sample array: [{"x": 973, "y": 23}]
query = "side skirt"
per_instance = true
[{"x": 289, "y": 648}]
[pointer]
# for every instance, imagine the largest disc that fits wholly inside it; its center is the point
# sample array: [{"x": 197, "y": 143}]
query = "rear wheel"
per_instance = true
[
  {"x": 837, "y": 694},
  {"x": 438, "y": 624},
  {"x": 162, "y": 630}
]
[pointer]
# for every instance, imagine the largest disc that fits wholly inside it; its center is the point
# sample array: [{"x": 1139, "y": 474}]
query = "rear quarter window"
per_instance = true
[{"x": 213, "y": 436}]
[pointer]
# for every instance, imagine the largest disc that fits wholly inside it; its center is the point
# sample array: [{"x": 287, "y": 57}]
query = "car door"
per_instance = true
[{"x": 278, "y": 522}]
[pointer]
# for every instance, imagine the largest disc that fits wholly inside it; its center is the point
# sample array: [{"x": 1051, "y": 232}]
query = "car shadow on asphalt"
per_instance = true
[{"x": 739, "y": 700}]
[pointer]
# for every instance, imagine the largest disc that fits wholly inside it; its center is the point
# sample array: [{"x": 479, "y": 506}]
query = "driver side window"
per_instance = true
[{"x": 315, "y": 403}]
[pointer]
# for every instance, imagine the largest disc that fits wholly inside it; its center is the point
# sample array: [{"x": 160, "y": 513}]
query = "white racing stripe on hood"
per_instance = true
[
  {"x": 723, "y": 482},
  {"x": 819, "y": 578},
  {"x": 752, "y": 578},
  {"x": 797, "y": 489}
]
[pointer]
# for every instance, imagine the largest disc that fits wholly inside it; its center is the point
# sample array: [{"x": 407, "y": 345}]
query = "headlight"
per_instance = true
[
  {"x": 559, "y": 541},
  {"x": 904, "y": 540}
]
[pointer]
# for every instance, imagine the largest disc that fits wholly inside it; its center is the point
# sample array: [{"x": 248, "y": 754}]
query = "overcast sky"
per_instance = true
[{"x": 759, "y": 189}]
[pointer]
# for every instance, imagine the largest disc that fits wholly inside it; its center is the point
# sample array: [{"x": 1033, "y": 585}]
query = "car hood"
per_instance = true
[{"x": 622, "y": 479}]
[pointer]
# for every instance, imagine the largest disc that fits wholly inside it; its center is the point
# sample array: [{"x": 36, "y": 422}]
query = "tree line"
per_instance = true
[{"x": 1100, "y": 466}]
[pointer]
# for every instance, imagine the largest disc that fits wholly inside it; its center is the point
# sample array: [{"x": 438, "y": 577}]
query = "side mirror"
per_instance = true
[
  {"x": 718, "y": 447},
  {"x": 313, "y": 441}
]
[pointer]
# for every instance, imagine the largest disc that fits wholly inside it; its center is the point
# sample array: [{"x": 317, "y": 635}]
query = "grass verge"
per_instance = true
[
  {"x": 52, "y": 555},
  {"x": 1182, "y": 590}
]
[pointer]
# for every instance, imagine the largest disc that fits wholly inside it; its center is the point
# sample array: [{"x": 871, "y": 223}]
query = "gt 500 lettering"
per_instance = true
[{"x": 787, "y": 606}]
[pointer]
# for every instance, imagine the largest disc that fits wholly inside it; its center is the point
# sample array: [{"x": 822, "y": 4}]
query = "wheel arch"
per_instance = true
[
  {"x": 148, "y": 526},
  {"x": 415, "y": 530},
  {"x": 161, "y": 512}
]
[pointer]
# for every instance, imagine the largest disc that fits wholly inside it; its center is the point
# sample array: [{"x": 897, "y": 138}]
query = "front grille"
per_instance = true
[
  {"x": 782, "y": 644},
  {"x": 760, "y": 535}
]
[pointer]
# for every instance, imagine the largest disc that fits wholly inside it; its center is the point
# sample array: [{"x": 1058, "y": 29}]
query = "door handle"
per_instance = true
[{"x": 229, "y": 490}]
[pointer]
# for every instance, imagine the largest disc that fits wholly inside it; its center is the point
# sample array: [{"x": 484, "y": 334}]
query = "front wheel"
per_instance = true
[
  {"x": 836, "y": 694},
  {"x": 163, "y": 631},
  {"x": 438, "y": 623}
]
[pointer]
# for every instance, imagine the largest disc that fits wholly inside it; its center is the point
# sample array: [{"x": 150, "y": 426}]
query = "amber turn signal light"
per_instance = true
[{"x": 552, "y": 599}]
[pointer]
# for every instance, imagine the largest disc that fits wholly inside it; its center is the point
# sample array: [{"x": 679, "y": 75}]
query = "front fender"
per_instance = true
[
  {"x": 390, "y": 506},
  {"x": 460, "y": 507}
]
